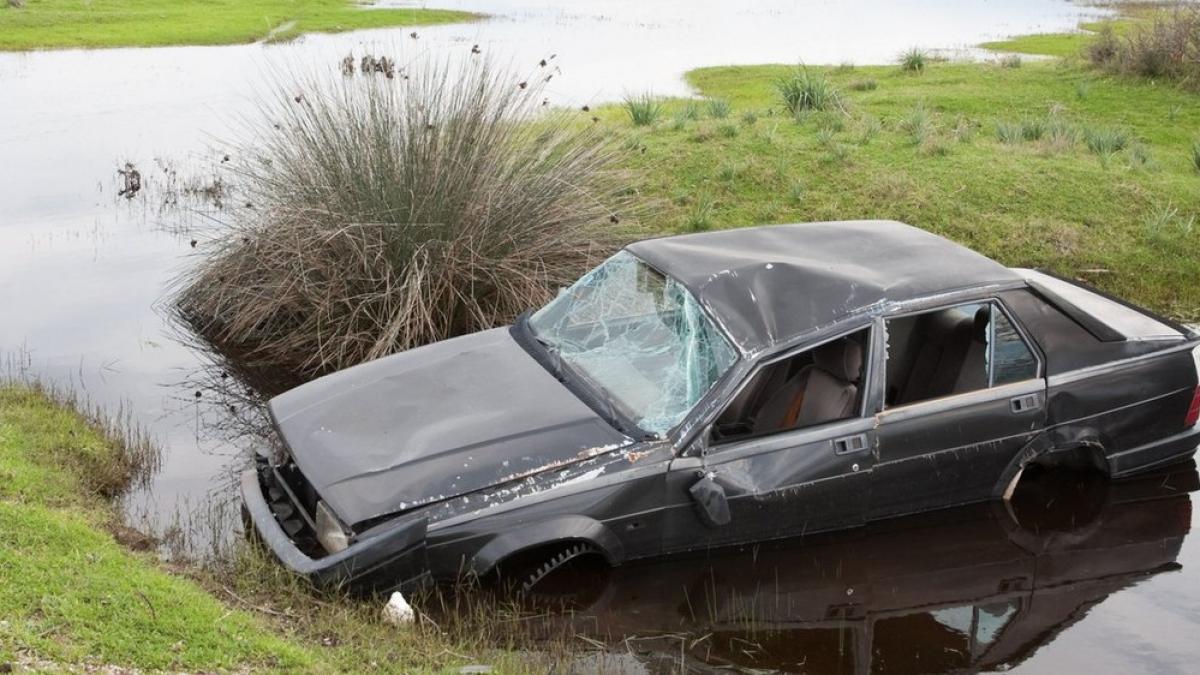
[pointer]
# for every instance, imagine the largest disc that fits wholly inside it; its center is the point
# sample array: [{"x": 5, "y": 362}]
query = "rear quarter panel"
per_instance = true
[{"x": 1118, "y": 396}]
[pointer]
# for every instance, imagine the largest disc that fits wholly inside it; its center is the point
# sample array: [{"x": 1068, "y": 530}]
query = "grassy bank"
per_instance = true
[
  {"x": 72, "y": 597},
  {"x": 50, "y": 24},
  {"x": 1040, "y": 164}
]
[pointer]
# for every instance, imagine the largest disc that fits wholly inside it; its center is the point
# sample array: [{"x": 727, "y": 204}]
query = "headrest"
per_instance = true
[
  {"x": 983, "y": 318},
  {"x": 842, "y": 359}
]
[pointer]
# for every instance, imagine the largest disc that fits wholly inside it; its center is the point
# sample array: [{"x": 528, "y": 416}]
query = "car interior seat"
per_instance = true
[
  {"x": 823, "y": 391},
  {"x": 974, "y": 373},
  {"x": 942, "y": 340}
]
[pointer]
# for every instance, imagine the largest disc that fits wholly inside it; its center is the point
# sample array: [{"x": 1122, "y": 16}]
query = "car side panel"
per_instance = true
[
  {"x": 1126, "y": 399},
  {"x": 1126, "y": 410}
]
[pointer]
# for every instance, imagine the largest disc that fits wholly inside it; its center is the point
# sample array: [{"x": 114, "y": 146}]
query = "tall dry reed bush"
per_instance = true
[{"x": 393, "y": 212}]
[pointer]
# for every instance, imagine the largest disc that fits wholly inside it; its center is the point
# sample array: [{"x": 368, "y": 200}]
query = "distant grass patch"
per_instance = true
[
  {"x": 719, "y": 108},
  {"x": 49, "y": 24},
  {"x": 803, "y": 90},
  {"x": 1196, "y": 154},
  {"x": 1105, "y": 141},
  {"x": 643, "y": 109},
  {"x": 914, "y": 60}
]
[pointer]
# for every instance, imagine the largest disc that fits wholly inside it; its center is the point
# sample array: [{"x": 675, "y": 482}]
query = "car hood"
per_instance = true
[{"x": 433, "y": 423}]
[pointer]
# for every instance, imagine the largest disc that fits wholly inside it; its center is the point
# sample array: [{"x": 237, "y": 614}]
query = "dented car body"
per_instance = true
[{"x": 717, "y": 389}]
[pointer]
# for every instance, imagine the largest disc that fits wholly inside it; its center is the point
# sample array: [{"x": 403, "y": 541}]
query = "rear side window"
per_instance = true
[
  {"x": 1012, "y": 361},
  {"x": 955, "y": 350}
]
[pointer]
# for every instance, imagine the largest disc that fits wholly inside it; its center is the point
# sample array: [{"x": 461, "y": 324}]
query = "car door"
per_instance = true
[
  {"x": 945, "y": 436},
  {"x": 786, "y": 483}
]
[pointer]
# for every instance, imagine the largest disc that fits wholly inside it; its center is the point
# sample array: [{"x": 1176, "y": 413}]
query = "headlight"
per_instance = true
[{"x": 330, "y": 532}]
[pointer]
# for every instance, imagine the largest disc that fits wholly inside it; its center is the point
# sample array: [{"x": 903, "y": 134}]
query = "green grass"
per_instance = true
[
  {"x": 74, "y": 599},
  {"x": 1041, "y": 199},
  {"x": 49, "y": 24},
  {"x": 1071, "y": 45},
  {"x": 913, "y": 60},
  {"x": 643, "y": 109},
  {"x": 71, "y": 593}
]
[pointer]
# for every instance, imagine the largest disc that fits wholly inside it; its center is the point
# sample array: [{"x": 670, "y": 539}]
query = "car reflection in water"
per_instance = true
[{"x": 975, "y": 588}]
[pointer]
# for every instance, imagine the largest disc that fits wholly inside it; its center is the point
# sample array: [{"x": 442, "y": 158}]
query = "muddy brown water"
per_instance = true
[{"x": 82, "y": 268}]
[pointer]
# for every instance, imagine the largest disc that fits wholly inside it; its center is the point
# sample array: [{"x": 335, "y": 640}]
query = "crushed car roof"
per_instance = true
[{"x": 769, "y": 284}]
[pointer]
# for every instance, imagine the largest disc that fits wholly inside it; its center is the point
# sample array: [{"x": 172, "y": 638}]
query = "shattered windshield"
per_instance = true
[{"x": 637, "y": 336}]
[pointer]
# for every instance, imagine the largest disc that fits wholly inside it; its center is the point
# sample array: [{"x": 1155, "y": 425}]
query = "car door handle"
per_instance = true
[
  {"x": 1026, "y": 403},
  {"x": 849, "y": 444}
]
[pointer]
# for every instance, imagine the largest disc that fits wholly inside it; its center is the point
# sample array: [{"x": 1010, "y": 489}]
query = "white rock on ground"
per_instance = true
[{"x": 397, "y": 611}]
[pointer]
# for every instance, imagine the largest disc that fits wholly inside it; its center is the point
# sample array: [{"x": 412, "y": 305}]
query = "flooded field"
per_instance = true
[{"x": 84, "y": 268}]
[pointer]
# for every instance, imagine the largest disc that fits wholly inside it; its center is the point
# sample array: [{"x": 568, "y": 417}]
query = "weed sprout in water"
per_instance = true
[{"x": 638, "y": 337}]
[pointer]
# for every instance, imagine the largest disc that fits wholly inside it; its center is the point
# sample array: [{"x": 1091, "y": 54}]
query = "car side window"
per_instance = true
[
  {"x": 816, "y": 386},
  {"x": 1012, "y": 360},
  {"x": 952, "y": 351}
]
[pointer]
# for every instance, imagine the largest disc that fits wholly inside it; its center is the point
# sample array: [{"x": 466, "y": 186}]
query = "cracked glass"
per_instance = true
[{"x": 639, "y": 338}]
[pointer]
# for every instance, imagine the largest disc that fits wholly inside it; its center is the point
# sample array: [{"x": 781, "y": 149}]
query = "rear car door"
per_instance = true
[{"x": 964, "y": 393}]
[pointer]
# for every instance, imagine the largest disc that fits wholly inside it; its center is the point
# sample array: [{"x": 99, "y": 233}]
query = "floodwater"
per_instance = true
[
  {"x": 1079, "y": 575},
  {"x": 82, "y": 271}
]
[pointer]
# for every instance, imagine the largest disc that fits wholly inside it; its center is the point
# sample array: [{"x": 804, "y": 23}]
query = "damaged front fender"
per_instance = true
[{"x": 392, "y": 557}]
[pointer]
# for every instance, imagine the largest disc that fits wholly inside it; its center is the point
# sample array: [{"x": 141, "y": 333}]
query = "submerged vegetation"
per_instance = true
[
  {"x": 392, "y": 213},
  {"x": 49, "y": 24}
]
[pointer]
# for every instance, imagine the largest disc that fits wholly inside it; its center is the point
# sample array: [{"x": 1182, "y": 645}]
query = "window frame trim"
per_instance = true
[{"x": 993, "y": 300}]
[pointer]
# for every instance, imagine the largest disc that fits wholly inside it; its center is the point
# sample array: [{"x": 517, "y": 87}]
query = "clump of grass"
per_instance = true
[
  {"x": 1009, "y": 132},
  {"x": 1166, "y": 225},
  {"x": 825, "y": 137},
  {"x": 834, "y": 122},
  {"x": 690, "y": 111},
  {"x": 1196, "y": 154},
  {"x": 918, "y": 125},
  {"x": 868, "y": 128},
  {"x": 643, "y": 109},
  {"x": 1032, "y": 128},
  {"x": 1011, "y": 61},
  {"x": 796, "y": 192},
  {"x": 913, "y": 60},
  {"x": 389, "y": 217},
  {"x": 1060, "y": 134},
  {"x": 868, "y": 84},
  {"x": 749, "y": 118},
  {"x": 1105, "y": 141},
  {"x": 805, "y": 91},
  {"x": 699, "y": 218},
  {"x": 964, "y": 129},
  {"x": 727, "y": 130},
  {"x": 1082, "y": 89},
  {"x": 1140, "y": 157},
  {"x": 719, "y": 108}
]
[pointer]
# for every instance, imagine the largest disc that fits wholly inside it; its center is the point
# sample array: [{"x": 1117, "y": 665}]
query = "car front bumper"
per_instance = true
[{"x": 391, "y": 559}]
